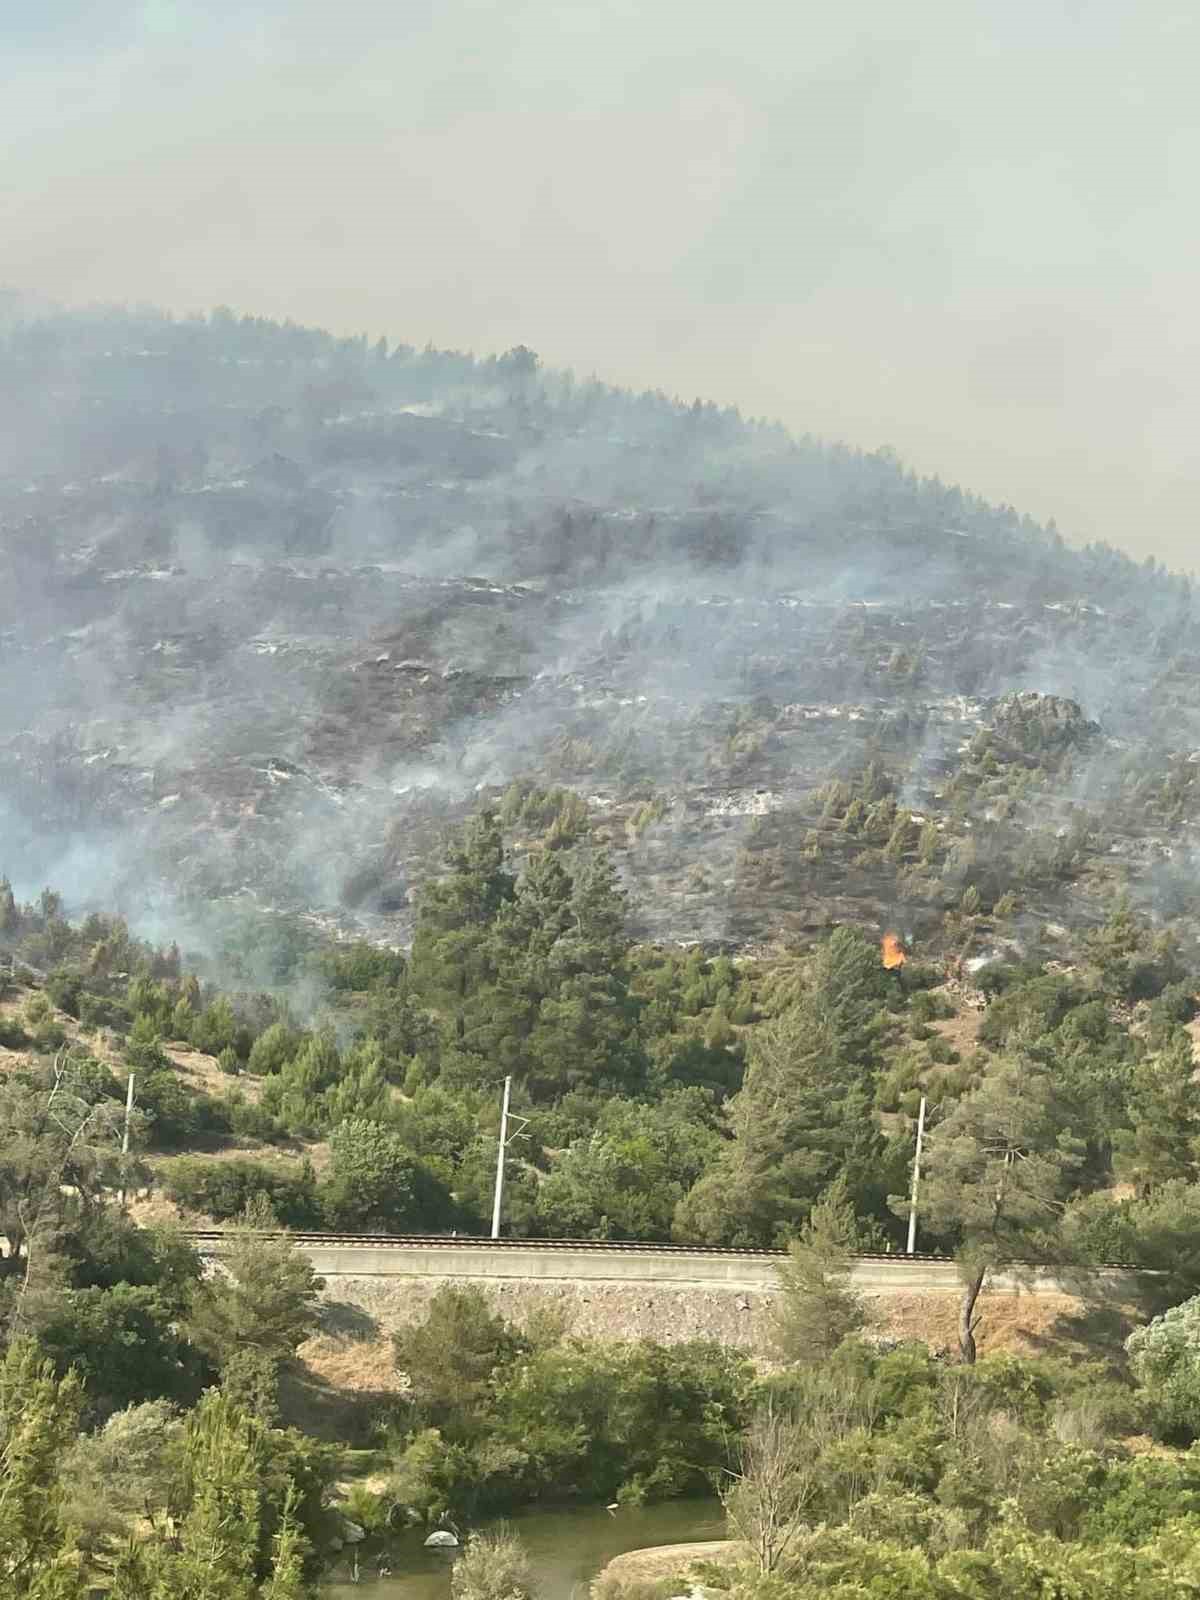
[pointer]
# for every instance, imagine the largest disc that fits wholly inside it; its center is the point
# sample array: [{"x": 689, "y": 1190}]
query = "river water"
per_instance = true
[{"x": 567, "y": 1548}]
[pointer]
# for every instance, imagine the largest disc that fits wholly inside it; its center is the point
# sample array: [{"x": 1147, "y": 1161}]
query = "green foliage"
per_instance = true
[
  {"x": 246, "y": 1503},
  {"x": 1164, "y": 1357},
  {"x": 362, "y": 1090},
  {"x": 1027, "y": 1010},
  {"x": 223, "y": 1189},
  {"x": 38, "y": 1417},
  {"x": 114, "y": 1472},
  {"x": 265, "y": 1299},
  {"x": 297, "y": 1093},
  {"x": 996, "y": 1172},
  {"x": 125, "y": 1345},
  {"x": 1163, "y": 1141},
  {"x": 59, "y": 1157},
  {"x": 559, "y": 815},
  {"x": 803, "y": 1114},
  {"x": 626, "y": 1178},
  {"x": 1142, "y": 1497},
  {"x": 1131, "y": 960},
  {"x": 216, "y": 1028},
  {"x": 375, "y": 1183},
  {"x": 1161, "y": 1231},
  {"x": 12, "y": 1034},
  {"x": 273, "y": 1049},
  {"x": 494, "y": 1566},
  {"x": 176, "y": 1115},
  {"x": 64, "y": 989},
  {"x": 451, "y": 1357},
  {"x": 518, "y": 1419},
  {"x": 359, "y": 966},
  {"x": 817, "y": 1308},
  {"x": 530, "y": 976}
]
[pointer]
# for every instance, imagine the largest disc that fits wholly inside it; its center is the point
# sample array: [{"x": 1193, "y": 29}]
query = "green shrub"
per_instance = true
[
  {"x": 369, "y": 1508},
  {"x": 1164, "y": 1357},
  {"x": 359, "y": 966},
  {"x": 98, "y": 1011},
  {"x": 247, "y": 1120},
  {"x": 942, "y": 1052},
  {"x": 1141, "y": 1497},
  {"x": 12, "y": 1034},
  {"x": 928, "y": 1006},
  {"x": 65, "y": 990},
  {"x": 494, "y": 1566},
  {"x": 223, "y": 1189},
  {"x": 375, "y": 1182},
  {"x": 177, "y": 1115}
]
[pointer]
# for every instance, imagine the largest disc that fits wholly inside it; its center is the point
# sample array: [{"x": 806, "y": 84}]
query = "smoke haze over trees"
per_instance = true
[
  {"x": 386, "y": 722},
  {"x": 277, "y": 607}
]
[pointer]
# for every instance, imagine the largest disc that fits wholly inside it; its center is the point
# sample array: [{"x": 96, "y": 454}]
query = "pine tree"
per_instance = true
[
  {"x": 928, "y": 843},
  {"x": 266, "y": 1301},
  {"x": 802, "y": 1116},
  {"x": 804, "y": 1112},
  {"x": 817, "y": 1308},
  {"x": 455, "y": 953},
  {"x": 1163, "y": 1141},
  {"x": 996, "y": 1174},
  {"x": 362, "y": 1090},
  {"x": 585, "y": 1033},
  {"x": 296, "y": 1095},
  {"x": 287, "y": 1571},
  {"x": 10, "y": 916},
  {"x": 39, "y": 1416}
]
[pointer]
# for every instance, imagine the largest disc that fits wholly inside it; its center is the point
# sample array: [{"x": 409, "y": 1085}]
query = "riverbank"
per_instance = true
[
  {"x": 665, "y": 1561},
  {"x": 567, "y": 1550}
]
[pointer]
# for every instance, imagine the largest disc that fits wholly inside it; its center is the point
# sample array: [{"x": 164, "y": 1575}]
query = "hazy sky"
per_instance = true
[{"x": 965, "y": 228}]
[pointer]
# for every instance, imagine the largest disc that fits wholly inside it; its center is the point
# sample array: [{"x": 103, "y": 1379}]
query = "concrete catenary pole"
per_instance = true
[
  {"x": 500, "y": 1160},
  {"x": 125, "y": 1133},
  {"x": 912, "y": 1209}
]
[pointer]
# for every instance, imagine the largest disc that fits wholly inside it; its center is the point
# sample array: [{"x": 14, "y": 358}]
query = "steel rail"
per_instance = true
[
  {"x": 424, "y": 1241},
  {"x": 441, "y": 1241}
]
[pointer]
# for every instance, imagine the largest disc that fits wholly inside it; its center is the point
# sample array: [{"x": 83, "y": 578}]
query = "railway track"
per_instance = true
[
  {"x": 440, "y": 1241},
  {"x": 341, "y": 1257},
  {"x": 427, "y": 1241}
]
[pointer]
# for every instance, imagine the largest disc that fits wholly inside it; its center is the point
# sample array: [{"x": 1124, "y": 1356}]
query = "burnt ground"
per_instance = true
[{"x": 276, "y": 612}]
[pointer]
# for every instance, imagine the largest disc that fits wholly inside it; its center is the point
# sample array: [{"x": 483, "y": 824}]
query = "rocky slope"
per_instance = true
[{"x": 276, "y": 609}]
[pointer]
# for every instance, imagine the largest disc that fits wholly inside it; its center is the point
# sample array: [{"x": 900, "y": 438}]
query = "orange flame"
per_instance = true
[{"x": 891, "y": 952}]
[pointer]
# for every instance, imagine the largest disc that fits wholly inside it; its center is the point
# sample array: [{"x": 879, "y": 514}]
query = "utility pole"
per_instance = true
[
  {"x": 912, "y": 1209},
  {"x": 505, "y": 1141},
  {"x": 499, "y": 1195},
  {"x": 125, "y": 1134}
]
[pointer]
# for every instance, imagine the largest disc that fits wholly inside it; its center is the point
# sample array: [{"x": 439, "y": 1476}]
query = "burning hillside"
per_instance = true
[{"x": 261, "y": 654}]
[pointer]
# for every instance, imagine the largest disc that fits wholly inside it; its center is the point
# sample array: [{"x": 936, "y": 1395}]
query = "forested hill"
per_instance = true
[
  {"x": 277, "y": 609},
  {"x": 381, "y": 723}
]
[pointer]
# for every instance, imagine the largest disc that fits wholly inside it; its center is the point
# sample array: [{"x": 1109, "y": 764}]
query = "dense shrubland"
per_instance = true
[
  {"x": 145, "y": 1443},
  {"x": 669, "y": 1094}
]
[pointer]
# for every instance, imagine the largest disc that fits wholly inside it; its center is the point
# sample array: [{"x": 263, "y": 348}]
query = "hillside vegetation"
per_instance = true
[
  {"x": 386, "y": 723},
  {"x": 279, "y": 608}
]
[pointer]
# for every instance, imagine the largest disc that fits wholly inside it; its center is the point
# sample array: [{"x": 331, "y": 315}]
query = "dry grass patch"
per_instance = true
[
  {"x": 152, "y": 1209},
  {"x": 658, "y": 1570},
  {"x": 961, "y": 1031},
  {"x": 1025, "y": 1324},
  {"x": 204, "y": 1072},
  {"x": 353, "y": 1365}
]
